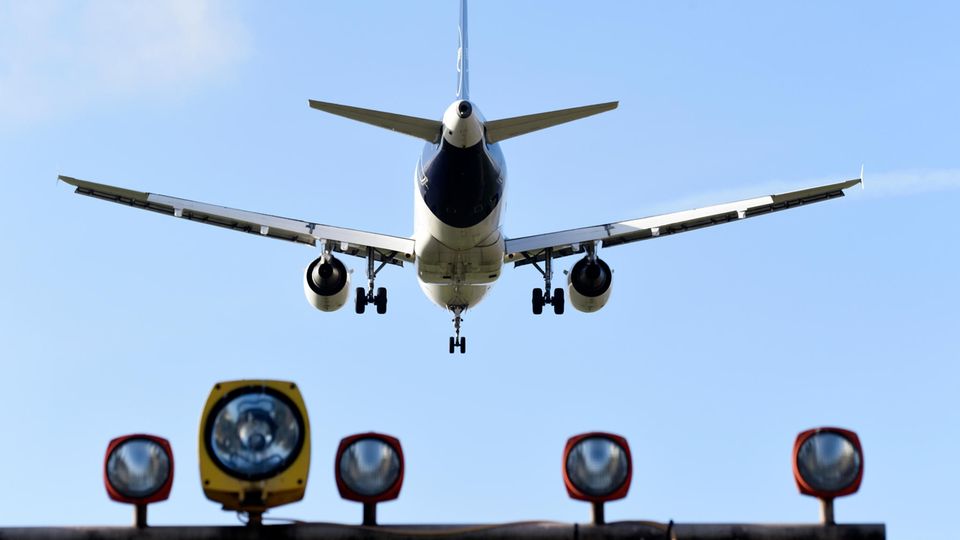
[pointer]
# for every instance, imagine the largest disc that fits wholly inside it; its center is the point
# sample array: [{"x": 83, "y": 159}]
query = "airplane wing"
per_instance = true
[
  {"x": 531, "y": 249},
  {"x": 392, "y": 249}
]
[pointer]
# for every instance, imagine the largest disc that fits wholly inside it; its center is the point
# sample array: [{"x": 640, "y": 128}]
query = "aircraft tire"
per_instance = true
[
  {"x": 381, "y": 300},
  {"x": 537, "y": 301},
  {"x": 361, "y": 303}
]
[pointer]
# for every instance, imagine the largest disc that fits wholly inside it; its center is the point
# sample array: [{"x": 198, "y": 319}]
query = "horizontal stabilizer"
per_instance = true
[
  {"x": 421, "y": 128},
  {"x": 499, "y": 130}
]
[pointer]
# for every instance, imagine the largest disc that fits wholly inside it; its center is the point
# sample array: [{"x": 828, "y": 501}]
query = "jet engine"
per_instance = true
[
  {"x": 588, "y": 284},
  {"x": 326, "y": 282}
]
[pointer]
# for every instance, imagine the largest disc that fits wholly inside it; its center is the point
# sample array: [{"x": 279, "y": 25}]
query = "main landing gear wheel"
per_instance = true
[
  {"x": 361, "y": 303},
  {"x": 542, "y": 297},
  {"x": 537, "y": 301},
  {"x": 457, "y": 342},
  {"x": 366, "y": 296},
  {"x": 380, "y": 300}
]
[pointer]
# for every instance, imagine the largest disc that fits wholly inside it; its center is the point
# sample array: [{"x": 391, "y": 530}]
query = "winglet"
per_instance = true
[{"x": 862, "y": 185}]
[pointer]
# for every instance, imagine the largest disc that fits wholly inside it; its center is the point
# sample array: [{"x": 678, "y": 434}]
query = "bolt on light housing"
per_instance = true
[
  {"x": 254, "y": 445},
  {"x": 369, "y": 469},
  {"x": 597, "y": 468},
  {"x": 827, "y": 463},
  {"x": 138, "y": 470}
]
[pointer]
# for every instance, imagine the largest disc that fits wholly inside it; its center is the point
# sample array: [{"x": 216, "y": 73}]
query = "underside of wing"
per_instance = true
[
  {"x": 391, "y": 249},
  {"x": 530, "y": 249}
]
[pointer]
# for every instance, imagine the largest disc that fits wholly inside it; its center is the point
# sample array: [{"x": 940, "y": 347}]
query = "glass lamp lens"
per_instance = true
[
  {"x": 138, "y": 468},
  {"x": 256, "y": 434},
  {"x": 597, "y": 466},
  {"x": 369, "y": 466},
  {"x": 828, "y": 462}
]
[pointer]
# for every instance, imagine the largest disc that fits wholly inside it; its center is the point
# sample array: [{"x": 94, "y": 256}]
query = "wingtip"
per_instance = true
[{"x": 862, "y": 183}]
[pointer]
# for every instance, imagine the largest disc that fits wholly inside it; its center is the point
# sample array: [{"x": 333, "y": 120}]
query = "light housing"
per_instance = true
[
  {"x": 619, "y": 467},
  {"x": 369, "y": 469},
  {"x": 138, "y": 469},
  {"x": 597, "y": 467},
  {"x": 827, "y": 462},
  {"x": 254, "y": 445}
]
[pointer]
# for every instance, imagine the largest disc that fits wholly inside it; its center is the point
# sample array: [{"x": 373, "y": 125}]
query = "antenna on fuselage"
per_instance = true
[{"x": 463, "y": 70}]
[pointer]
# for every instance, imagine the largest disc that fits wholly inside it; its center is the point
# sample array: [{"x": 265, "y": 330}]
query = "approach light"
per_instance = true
[
  {"x": 827, "y": 463},
  {"x": 138, "y": 470},
  {"x": 254, "y": 446},
  {"x": 369, "y": 469},
  {"x": 597, "y": 468}
]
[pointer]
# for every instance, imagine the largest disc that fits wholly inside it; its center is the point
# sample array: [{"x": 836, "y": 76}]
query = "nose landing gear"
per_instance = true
[{"x": 457, "y": 342}]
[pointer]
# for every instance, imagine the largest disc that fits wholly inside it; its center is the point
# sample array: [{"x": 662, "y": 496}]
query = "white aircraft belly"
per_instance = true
[{"x": 456, "y": 266}]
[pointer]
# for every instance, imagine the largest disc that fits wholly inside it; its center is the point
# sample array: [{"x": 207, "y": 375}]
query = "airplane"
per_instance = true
[{"x": 458, "y": 246}]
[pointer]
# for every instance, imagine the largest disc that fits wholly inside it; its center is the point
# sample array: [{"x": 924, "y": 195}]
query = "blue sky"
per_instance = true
[{"x": 716, "y": 348}]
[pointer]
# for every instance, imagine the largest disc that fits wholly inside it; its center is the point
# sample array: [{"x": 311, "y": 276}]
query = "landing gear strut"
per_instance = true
[
  {"x": 542, "y": 297},
  {"x": 366, "y": 296},
  {"x": 457, "y": 342}
]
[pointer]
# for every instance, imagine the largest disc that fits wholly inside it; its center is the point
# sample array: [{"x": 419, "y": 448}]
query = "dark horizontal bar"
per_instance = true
[{"x": 639, "y": 530}]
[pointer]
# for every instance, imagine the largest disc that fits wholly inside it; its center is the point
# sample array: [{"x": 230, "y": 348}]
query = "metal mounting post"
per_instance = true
[
  {"x": 140, "y": 516},
  {"x": 596, "y": 513},
  {"x": 369, "y": 514},
  {"x": 826, "y": 512}
]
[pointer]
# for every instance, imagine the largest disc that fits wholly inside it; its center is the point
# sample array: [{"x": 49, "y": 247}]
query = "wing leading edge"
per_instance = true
[
  {"x": 530, "y": 249},
  {"x": 392, "y": 249}
]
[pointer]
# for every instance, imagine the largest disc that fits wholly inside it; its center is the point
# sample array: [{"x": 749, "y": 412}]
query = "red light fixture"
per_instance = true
[
  {"x": 827, "y": 463},
  {"x": 138, "y": 470},
  {"x": 597, "y": 467},
  {"x": 369, "y": 470}
]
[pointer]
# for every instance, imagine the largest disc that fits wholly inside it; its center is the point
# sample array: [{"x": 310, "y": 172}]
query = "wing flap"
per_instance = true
[
  {"x": 535, "y": 248},
  {"x": 392, "y": 249}
]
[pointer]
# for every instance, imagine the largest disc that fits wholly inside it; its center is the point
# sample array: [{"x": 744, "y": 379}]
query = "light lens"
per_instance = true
[
  {"x": 138, "y": 468},
  {"x": 828, "y": 462},
  {"x": 369, "y": 467},
  {"x": 597, "y": 466},
  {"x": 256, "y": 434}
]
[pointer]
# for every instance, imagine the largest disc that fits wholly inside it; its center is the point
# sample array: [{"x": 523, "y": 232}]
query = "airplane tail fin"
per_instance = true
[
  {"x": 463, "y": 70},
  {"x": 498, "y": 130},
  {"x": 421, "y": 128}
]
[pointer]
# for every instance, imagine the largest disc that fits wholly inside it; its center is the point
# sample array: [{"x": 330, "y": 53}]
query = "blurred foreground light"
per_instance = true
[
  {"x": 827, "y": 463},
  {"x": 369, "y": 469},
  {"x": 254, "y": 445},
  {"x": 597, "y": 468},
  {"x": 138, "y": 470}
]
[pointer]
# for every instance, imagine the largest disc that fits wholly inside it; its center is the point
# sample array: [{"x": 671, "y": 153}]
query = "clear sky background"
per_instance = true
[{"x": 716, "y": 349}]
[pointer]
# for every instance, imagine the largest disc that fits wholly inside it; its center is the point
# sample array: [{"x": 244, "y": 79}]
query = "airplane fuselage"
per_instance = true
[{"x": 459, "y": 186}]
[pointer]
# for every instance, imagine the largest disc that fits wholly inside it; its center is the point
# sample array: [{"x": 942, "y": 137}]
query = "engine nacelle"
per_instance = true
[
  {"x": 326, "y": 282},
  {"x": 588, "y": 284}
]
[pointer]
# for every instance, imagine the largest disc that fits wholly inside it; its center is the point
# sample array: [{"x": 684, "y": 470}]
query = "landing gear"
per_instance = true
[
  {"x": 542, "y": 297},
  {"x": 366, "y": 296},
  {"x": 457, "y": 342}
]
